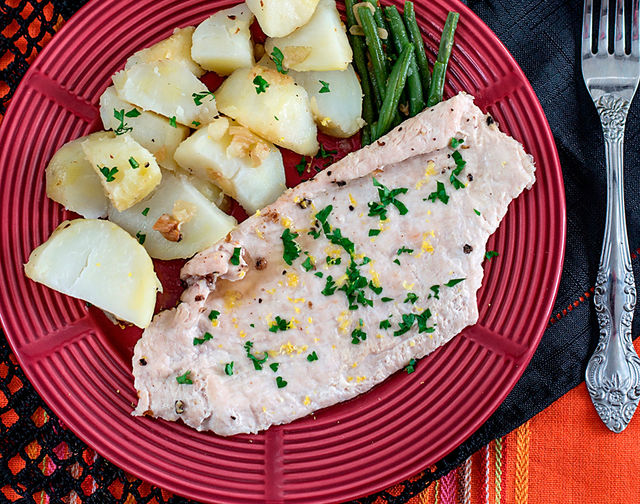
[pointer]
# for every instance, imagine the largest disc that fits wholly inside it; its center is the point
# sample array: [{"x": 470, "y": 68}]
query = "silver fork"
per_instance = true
[{"x": 613, "y": 372}]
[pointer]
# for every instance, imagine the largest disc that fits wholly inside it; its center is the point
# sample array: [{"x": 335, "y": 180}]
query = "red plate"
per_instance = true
[{"x": 80, "y": 363}]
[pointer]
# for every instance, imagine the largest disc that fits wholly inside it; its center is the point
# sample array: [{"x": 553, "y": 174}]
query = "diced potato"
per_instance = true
[
  {"x": 246, "y": 167},
  {"x": 150, "y": 130},
  {"x": 168, "y": 88},
  {"x": 177, "y": 48},
  {"x": 319, "y": 45},
  {"x": 202, "y": 223},
  {"x": 72, "y": 181},
  {"x": 98, "y": 262},
  {"x": 222, "y": 43},
  {"x": 278, "y": 18},
  {"x": 281, "y": 113},
  {"x": 209, "y": 190},
  {"x": 128, "y": 172}
]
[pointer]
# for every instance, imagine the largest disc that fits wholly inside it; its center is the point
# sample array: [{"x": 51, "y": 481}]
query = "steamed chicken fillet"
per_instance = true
[{"x": 447, "y": 243}]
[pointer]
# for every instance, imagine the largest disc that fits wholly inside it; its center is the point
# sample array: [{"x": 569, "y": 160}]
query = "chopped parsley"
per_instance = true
[
  {"x": 375, "y": 288},
  {"x": 279, "y": 324},
  {"x": 205, "y": 337},
  {"x": 325, "y": 154},
  {"x": 261, "y": 84},
  {"x": 307, "y": 264},
  {"x": 439, "y": 194},
  {"x": 408, "y": 319},
  {"x": 397, "y": 261},
  {"x": 460, "y": 164},
  {"x": 141, "y": 237},
  {"x": 411, "y": 298},
  {"x": 172, "y": 122},
  {"x": 228, "y": 368},
  {"x": 490, "y": 254},
  {"x": 213, "y": 315},
  {"x": 422, "y": 321},
  {"x": 132, "y": 113},
  {"x": 455, "y": 143},
  {"x": 321, "y": 217},
  {"x": 332, "y": 261},
  {"x": 134, "y": 164},
  {"x": 276, "y": 118},
  {"x": 235, "y": 258},
  {"x": 325, "y": 87},
  {"x": 120, "y": 115},
  {"x": 109, "y": 174},
  {"x": 301, "y": 166},
  {"x": 387, "y": 197},
  {"x": 405, "y": 250},
  {"x": 184, "y": 379},
  {"x": 145, "y": 211},
  {"x": 196, "y": 123},
  {"x": 313, "y": 356},
  {"x": 385, "y": 324},
  {"x": 257, "y": 363},
  {"x": 374, "y": 232},
  {"x": 278, "y": 58},
  {"x": 198, "y": 97},
  {"x": 436, "y": 291},
  {"x": 330, "y": 286},
  {"x": 386, "y": 299},
  {"x": 358, "y": 335},
  {"x": 476, "y": 211},
  {"x": 291, "y": 247},
  {"x": 274, "y": 366},
  {"x": 319, "y": 274},
  {"x": 411, "y": 367},
  {"x": 280, "y": 382},
  {"x": 354, "y": 286},
  {"x": 454, "y": 281}
]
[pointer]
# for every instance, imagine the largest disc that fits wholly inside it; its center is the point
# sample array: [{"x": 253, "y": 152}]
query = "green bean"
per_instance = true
[
  {"x": 416, "y": 39},
  {"x": 397, "y": 81},
  {"x": 374, "y": 44},
  {"x": 375, "y": 87},
  {"x": 436, "y": 90},
  {"x": 360, "y": 63},
  {"x": 381, "y": 23},
  {"x": 401, "y": 40},
  {"x": 365, "y": 135}
]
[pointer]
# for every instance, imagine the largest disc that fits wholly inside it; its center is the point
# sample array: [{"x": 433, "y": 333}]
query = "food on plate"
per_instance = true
[
  {"x": 175, "y": 221},
  {"x": 338, "y": 284},
  {"x": 154, "y": 132},
  {"x": 279, "y": 18},
  {"x": 243, "y": 165},
  {"x": 72, "y": 180},
  {"x": 176, "y": 48},
  {"x": 127, "y": 171},
  {"x": 98, "y": 262},
  {"x": 319, "y": 45},
  {"x": 270, "y": 104},
  {"x": 168, "y": 88},
  {"x": 222, "y": 43}
]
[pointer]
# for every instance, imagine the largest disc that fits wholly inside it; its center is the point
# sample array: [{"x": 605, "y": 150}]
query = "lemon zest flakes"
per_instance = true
[
  {"x": 243, "y": 334},
  {"x": 333, "y": 251},
  {"x": 264, "y": 409},
  {"x": 353, "y": 200},
  {"x": 259, "y": 233},
  {"x": 271, "y": 291},
  {"x": 429, "y": 170},
  {"x": 375, "y": 277},
  {"x": 292, "y": 279},
  {"x": 355, "y": 364},
  {"x": 231, "y": 299},
  {"x": 306, "y": 401},
  {"x": 360, "y": 379},
  {"x": 344, "y": 322},
  {"x": 426, "y": 244},
  {"x": 379, "y": 336},
  {"x": 214, "y": 323},
  {"x": 287, "y": 348},
  {"x": 406, "y": 285},
  {"x": 349, "y": 378},
  {"x": 286, "y": 222}
]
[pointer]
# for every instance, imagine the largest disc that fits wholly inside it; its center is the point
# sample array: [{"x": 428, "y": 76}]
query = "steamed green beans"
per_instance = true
[
  {"x": 374, "y": 44},
  {"x": 440, "y": 66},
  {"x": 416, "y": 39}
]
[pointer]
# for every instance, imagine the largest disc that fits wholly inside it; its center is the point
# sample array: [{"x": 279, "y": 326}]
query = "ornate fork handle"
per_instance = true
[{"x": 613, "y": 372}]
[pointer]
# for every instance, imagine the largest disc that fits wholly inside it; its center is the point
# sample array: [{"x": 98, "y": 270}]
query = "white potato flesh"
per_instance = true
[
  {"x": 281, "y": 113},
  {"x": 72, "y": 181},
  {"x": 319, "y": 45},
  {"x": 177, "y": 48},
  {"x": 278, "y": 18},
  {"x": 222, "y": 43},
  {"x": 222, "y": 153},
  {"x": 128, "y": 172},
  {"x": 152, "y": 131},
  {"x": 205, "y": 224},
  {"x": 167, "y": 88},
  {"x": 98, "y": 262}
]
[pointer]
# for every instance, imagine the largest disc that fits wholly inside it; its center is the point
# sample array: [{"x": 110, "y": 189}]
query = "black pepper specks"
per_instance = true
[
  {"x": 233, "y": 418},
  {"x": 467, "y": 249},
  {"x": 340, "y": 183},
  {"x": 490, "y": 120},
  {"x": 470, "y": 177},
  {"x": 351, "y": 208},
  {"x": 261, "y": 263},
  {"x": 304, "y": 203},
  {"x": 143, "y": 362}
]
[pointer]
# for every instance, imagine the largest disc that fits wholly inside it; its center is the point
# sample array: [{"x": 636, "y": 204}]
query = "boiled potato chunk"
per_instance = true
[
  {"x": 243, "y": 165},
  {"x": 177, "y": 48},
  {"x": 280, "y": 113},
  {"x": 278, "y": 18},
  {"x": 222, "y": 43},
  {"x": 150, "y": 130},
  {"x": 319, "y": 45},
  {"x": 98, "y": 262},
  {"x": 128, "y": 172},
  {"x": 201, "y": 222},
  {"x": 72, "y": 181},
  {"x": 167, "y": 88}
]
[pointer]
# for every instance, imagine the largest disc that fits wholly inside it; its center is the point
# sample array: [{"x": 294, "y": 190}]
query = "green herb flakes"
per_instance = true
[
  {"x": 274, "y": 366},
  {"x": 205, "y": 337},
  {"x": 411, "y": 298},
  {"x": 213, "y": 315},
  {"x": 436, "y": 291},
  {"x": 228, "y": 368},
  {"x": 279, "y": 324},
  {"x": 313, "y": 356},
  {"x": 145, "y": 212},
  {"x": 397, "y": 261},
  {"x": 133, "y": 113},
  {"x": 455, "y": 143},
  {"x": 405, "y": 250},
  {"x": 358, "y": 335},
  {"x": 280, "y": 382},
  {"x": 277, "y": 57},
  {"x": 122, "y": 127},
  {"x": 257, "y": 363},
  {"x": 411, "y": 367},
  {"x": 134, "y": 164},
  {"x": 476, "y": 211},
  {"x": 325, "y": 154},
  {"x": 301, "y": 166},
  {"x": 109, "y": 174},
  {"x": 386, "y": 299},
  {"x": 385, "y": 324},
  {"x": 324, "y": 88},
  {"x": 330, "y": 287},
  {"x": 408, "y": 319},
  {"x": 198, "y": 97},
  {"x": 196, "y": 123},
  {"x": 439, "y": 194},
  {"x": 374, "y": 232},
  {"x": 333, "y": 261},
  {"x": 184, "y": 379},
  {"x": 319, "y": 274},
  {"x": 235, "y": 258},
  {"x": 387, "y": 197},
  {"x": 172, "y": 122},
  {"x": 375, "y": 288},
  {"x": 291, "y": 247},
  {"x": 490, "y": 254},
  {"x": 307, "y": 264},
  {"x": 260, "y": 84},
  {"x": 454, "y": 281},
  {"x": 141, "y": 237}
]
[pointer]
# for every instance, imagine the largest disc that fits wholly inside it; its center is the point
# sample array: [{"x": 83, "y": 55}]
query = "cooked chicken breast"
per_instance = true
[{"x": 340, "y": 282}]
